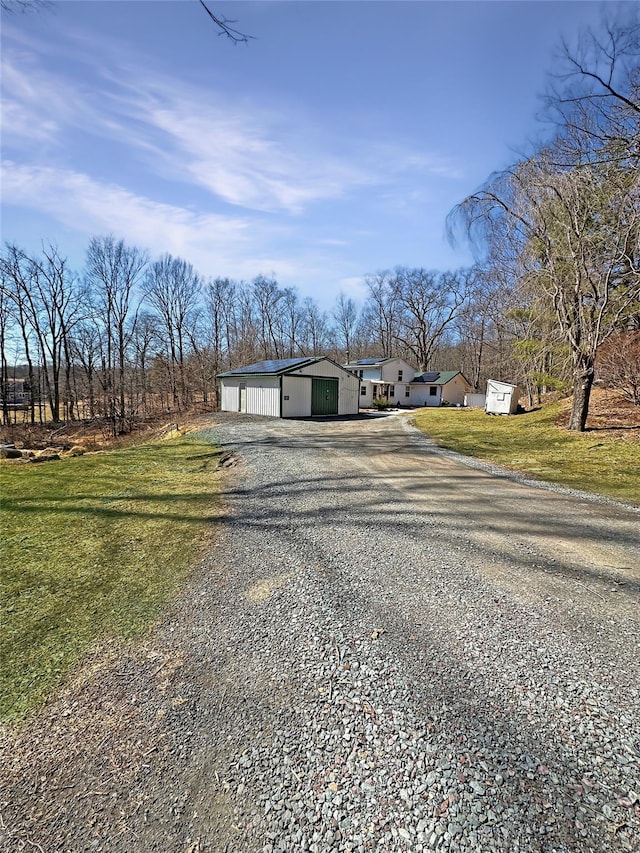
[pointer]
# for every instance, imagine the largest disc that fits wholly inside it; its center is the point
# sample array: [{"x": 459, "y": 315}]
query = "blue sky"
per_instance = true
[{"x": 329, "y": 147}]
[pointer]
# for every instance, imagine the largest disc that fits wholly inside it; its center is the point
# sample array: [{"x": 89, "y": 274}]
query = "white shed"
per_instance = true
[
  {"x": 290, "y": 388},
  {"x": 502, "y": 398}
]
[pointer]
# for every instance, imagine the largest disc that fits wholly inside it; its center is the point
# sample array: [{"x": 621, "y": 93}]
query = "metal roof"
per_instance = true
[{"x": 272, "y": 367}]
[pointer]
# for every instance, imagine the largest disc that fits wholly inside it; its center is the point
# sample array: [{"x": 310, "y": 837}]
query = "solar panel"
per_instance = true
[{"x": 273, "y": 366}]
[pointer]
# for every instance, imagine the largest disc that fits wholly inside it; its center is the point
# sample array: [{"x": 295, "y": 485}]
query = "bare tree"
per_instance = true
[
  {"x": 315, "y": 328},
  {"x": 226, "y": 26},
  {"x": 114, "y": 270},
  {"x": 594, "y": 94},
  {"x": 345, "y": 316},
  {"x": 46, "y": 299},
  {"x": 173, "y": 289},
  {"x": 427, "y": 303},
  {"x": 267, "y": 300},
  {"x": 577, "y": 234},
  {"x": 381, "y": 313}
]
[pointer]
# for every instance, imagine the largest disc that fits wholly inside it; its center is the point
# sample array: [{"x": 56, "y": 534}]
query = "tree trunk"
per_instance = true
[{"x": 583, "y": 382}]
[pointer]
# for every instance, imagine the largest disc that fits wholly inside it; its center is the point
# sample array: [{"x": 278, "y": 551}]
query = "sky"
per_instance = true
[{"x": 329, "y": 147}]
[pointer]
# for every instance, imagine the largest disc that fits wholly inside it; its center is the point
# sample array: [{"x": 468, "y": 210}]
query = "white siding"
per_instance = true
[
  {"x": 230, "y": 395},
  {"x": 421, "y": 396},
  {"x": 348, "y": 395},
  {"x": 322, "y": 368},
  {"x": 263, "y": 395},
  {"x": 502, "y": 398},
  {"x": 365, "y": 399},
  {"x": 391, "y": 369},
  {"x": 370, "y": 372},
  {"x": 298, "y": 390}
]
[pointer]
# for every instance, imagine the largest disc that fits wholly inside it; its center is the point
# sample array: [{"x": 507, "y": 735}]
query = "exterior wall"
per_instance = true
[
  {"x": 454, "y": 391},
  {"x": 230, "y": 395},
  {"x": 421, "y": 396},
  {"x": 370, "y": 372},
  {"x": 502, "y": 398},
  {"x": 348, "y": 384},
  {"x": 390, "y": 371},
  {"x": 348, "y": 391},
  {"x": 298, "y": 390},
  {"x": 263, "y": 395},
  {"x": 365, "y": 398}
]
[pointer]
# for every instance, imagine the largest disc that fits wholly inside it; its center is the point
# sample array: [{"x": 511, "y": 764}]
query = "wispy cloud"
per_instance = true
[
  {"x": 80, "y": 202},
  {"x": 217, "y": 245},
  {"x": 259, "y": 157}
]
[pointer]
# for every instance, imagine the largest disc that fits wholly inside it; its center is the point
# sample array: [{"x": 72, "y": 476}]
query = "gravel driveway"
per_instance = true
[{"x": 388, "y": 649}]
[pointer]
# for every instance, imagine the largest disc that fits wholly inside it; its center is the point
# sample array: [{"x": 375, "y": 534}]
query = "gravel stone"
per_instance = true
[{"x": 388, "y": 648}]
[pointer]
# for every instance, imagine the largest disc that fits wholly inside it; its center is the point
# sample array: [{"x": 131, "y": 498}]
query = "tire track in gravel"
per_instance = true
[{"x": 387, "y": 650}]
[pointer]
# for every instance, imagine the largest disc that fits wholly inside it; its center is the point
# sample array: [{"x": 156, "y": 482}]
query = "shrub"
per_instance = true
[{"x": 380, "y": 403}]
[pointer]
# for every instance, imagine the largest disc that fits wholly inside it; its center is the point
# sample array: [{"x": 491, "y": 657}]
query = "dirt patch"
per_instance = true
[
  {"x": 96, "y": 435},
  {"x": 609, "y": 414}
]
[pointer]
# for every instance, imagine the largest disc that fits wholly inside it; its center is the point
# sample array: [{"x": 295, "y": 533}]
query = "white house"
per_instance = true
[
  {"x": 290, "y": 388},
  {"x": 383, "y": 377},
  {"x": 440, "y": 387},
  {"x": 502, "y": 398}
]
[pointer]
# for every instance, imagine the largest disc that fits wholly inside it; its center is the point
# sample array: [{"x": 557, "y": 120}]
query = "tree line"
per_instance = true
[
  {"x": 560, "y": 228},
  {"x": 553, "y": 297},
  {"x": 129, "y": 336}
]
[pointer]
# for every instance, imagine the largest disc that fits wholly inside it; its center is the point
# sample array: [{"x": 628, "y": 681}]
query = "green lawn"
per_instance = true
[
  {"x": 532, "y": 443},
  {"x": 92, "y": 548}
]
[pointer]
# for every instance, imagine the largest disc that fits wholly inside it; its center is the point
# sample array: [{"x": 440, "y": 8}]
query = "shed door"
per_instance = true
[
  {"x": 324, "y": 397},
  {"x": 243, "y": 397}
]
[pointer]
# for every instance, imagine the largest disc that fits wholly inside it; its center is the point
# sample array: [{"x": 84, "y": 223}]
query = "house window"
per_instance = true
[
  {"x": 407, "y": 391},
  {"x": 399, "y": 376},
  {"x": 375, "y": 392},
  {"x": 392, "y": 390},
  {"x": 433, "y": 391},
  {"x": 363, "y": 391},
  {"x": 361, "y": 373}
]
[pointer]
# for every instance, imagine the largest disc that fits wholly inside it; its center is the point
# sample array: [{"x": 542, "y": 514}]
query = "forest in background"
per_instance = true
[{"x": 552, "y": 303}]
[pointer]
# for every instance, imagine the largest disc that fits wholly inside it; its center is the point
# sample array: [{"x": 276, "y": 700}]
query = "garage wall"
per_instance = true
[
  {"x": 348, "y": 400},
  {"x": 229, "y": 395},
  {"x": 298, "y": 390},
  {"x": 348, "y": 384},
  {"x": 263, "y": 396}
]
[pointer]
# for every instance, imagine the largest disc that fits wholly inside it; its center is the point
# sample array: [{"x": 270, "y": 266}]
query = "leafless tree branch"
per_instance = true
[{"x": 225, "y": 26}]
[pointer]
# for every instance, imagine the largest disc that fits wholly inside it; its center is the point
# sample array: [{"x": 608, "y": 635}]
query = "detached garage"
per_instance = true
[{"x": 290, "y": 388}]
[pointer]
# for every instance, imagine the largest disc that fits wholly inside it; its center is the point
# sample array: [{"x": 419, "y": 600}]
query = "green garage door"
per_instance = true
[{"x": 324, "y": 397}]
